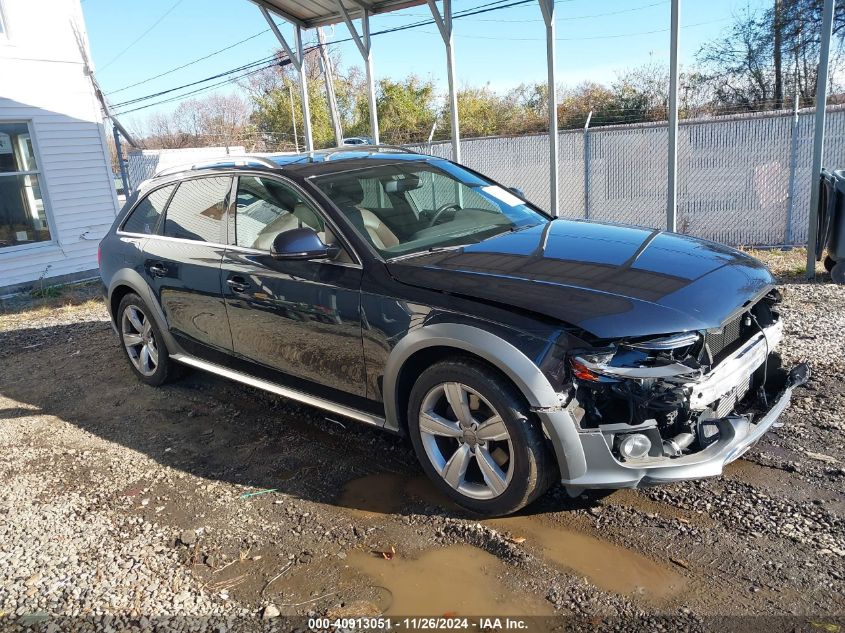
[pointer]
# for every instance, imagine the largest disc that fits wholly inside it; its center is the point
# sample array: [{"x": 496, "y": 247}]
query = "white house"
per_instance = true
[{"x": 57, "y": 195}]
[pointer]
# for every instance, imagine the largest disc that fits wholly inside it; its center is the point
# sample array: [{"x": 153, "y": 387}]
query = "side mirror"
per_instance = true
[
  {"x": 518, "y": 192},
  {"x": 302, "y": 243}
]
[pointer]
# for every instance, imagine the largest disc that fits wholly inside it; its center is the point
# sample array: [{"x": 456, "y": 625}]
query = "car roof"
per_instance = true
[{"x": 305, "y": 164}]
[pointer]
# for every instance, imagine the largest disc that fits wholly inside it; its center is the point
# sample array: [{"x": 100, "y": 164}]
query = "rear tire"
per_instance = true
[
  {"x": 487, "y": 453},
  {"x": 143, "y": 344},
  {"x": 829, "y": 263}
]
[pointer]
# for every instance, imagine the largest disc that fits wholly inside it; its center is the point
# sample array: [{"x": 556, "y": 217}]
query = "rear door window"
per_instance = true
[
  {"x": 145, "y": 217},
  {"x": 198, "y": 209}
]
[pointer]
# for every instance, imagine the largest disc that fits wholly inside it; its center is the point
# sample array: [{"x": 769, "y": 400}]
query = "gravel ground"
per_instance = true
[{"x": 206, "y": 505}]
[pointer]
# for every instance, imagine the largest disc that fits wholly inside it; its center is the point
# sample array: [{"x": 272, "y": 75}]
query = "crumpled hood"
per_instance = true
[{"x": 609, "y": 280}]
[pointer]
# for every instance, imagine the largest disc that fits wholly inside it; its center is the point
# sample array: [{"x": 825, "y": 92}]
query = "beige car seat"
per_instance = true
[
  {"x": 379, "y": 233},
  {"x": 301, "y": 216},
  {"x": 349, "y": 194}
]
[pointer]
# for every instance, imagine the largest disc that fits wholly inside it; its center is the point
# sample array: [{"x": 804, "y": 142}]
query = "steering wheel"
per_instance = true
[{"x": 443, "y": 208}]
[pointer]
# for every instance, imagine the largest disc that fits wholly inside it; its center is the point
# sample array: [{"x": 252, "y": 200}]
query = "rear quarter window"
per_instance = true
[
  {"x": 144, "y": 218},
  {"x": 197, "y": 210}
]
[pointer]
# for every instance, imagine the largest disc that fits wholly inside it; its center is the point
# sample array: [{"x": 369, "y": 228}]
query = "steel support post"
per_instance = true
[
  {"x": 444, "y": 25},
  {"x": 364, "y": 44},
  {"x": 298, "y": 60},
  {"x": 818, "y": 136},
  {"x": 548, "y": 9},
  {"x": 303, "y": 91},
  {"x": 672, "y": 184}
]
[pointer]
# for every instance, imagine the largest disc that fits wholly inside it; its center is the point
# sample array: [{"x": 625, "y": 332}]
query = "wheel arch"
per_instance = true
[
  {"x": 128, "y": 281},
  {"x": 428, "y": 344}
]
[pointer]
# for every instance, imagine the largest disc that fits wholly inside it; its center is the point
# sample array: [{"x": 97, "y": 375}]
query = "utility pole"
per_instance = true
[{"x": 329, "y": 77}]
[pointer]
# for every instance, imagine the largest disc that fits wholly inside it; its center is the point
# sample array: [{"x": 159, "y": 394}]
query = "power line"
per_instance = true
[
  {"x": 284, "y": 62},
  {"x": 195, "y": 83},
  {"x": 142, "y": 35},
  {"x": 191, "y": 63},
  {"x": 484, "y": 8},
  {"x": 251, "y": 67},
  {"x": 251, "y": 37}
]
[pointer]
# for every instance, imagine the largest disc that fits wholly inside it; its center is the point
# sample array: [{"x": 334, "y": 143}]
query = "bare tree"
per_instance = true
[
  {"x": 210, "y": 121},
  {"x": 749, "y": 66}
]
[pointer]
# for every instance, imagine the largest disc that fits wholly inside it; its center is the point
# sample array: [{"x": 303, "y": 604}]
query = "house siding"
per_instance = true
[{"x": 45, "y": 84}]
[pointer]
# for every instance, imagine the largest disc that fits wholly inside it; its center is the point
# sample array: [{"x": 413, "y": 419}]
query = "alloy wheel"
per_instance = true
[
  {"x": 139, "y": 340},
  {"x": 466, "y": 440}
]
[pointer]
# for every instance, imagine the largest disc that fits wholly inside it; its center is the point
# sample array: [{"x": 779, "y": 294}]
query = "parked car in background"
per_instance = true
[
  {"x": 357, "y": 140},
  {"x": 410, "y": 293}
]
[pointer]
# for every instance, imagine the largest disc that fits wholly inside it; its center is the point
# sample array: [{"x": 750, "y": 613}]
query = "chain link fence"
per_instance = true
[{"x": 742, "y": 180}]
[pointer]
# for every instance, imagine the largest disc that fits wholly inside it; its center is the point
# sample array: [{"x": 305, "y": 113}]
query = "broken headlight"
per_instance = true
[{"x": 655, "y": 358}]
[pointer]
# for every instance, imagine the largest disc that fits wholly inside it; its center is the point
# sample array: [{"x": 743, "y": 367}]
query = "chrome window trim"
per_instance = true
[
  {"x": 258, "y": 251},
  {"x": 228, "y": 247},
  {"x": 167, "y": 238},
  {"x": 235, "y": 174}
]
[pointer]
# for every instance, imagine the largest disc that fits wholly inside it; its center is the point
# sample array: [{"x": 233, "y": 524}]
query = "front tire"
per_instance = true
[
  {"x": 476, "y": 439},
  {"x": 143, "y": 343}
]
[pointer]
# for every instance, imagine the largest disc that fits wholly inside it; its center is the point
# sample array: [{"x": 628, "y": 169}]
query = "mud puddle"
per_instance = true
[
  {"x": 387, "y": 493},
  {"x": 608, "y": 566},
  {"x": 605, "y": 564},
  {"x": 459, "y": 580}
]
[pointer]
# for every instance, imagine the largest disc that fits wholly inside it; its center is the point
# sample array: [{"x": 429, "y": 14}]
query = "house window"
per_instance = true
[{"x": 23, "y": 219}]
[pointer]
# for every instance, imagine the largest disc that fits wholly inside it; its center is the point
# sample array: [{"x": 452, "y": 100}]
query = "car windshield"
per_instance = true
[{"x": 417, "y": 206}]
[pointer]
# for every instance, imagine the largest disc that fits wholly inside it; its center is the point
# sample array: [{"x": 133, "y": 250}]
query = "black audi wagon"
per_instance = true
[{"x": 512, "y": 348}]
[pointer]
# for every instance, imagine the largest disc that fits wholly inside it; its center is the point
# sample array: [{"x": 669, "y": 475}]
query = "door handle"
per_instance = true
[
  {"x": 238, "y": 284},
  {"x": 159, "y": 270}
]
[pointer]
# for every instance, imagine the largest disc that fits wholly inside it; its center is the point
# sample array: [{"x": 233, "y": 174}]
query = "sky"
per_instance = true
[{"x": 134, "y": 41}]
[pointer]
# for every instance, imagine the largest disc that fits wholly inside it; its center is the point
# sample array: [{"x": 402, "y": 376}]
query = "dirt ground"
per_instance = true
[{"x": 123, "y": 503}]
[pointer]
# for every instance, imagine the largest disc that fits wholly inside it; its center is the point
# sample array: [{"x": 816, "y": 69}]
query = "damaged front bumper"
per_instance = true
[
  {"x": 736, "y": 435},
  {"x": 587, "y": 458}
]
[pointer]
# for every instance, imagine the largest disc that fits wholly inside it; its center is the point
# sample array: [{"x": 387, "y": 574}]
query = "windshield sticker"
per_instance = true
[{"x": 502, "y": 195}]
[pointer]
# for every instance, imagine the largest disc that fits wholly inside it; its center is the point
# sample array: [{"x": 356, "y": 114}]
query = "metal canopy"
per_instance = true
[{"x": 309, "y": 14}]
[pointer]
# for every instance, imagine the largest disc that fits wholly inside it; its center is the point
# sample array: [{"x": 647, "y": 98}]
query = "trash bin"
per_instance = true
[{"x": 831, "y": 223}]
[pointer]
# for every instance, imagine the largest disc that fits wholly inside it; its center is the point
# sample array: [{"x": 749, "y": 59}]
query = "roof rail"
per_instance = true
[
  {"x": 223, "y": 161},
  {"x": 370, "y": 149}
]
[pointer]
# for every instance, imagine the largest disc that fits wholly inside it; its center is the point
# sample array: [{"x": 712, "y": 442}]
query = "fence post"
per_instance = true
[
  {"x": 793, "y": 166},
  {"x": 587, "y": 166}
]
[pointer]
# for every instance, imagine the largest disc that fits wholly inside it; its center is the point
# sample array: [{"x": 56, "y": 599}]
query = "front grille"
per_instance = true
[{"x": 724, "y": 342}]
